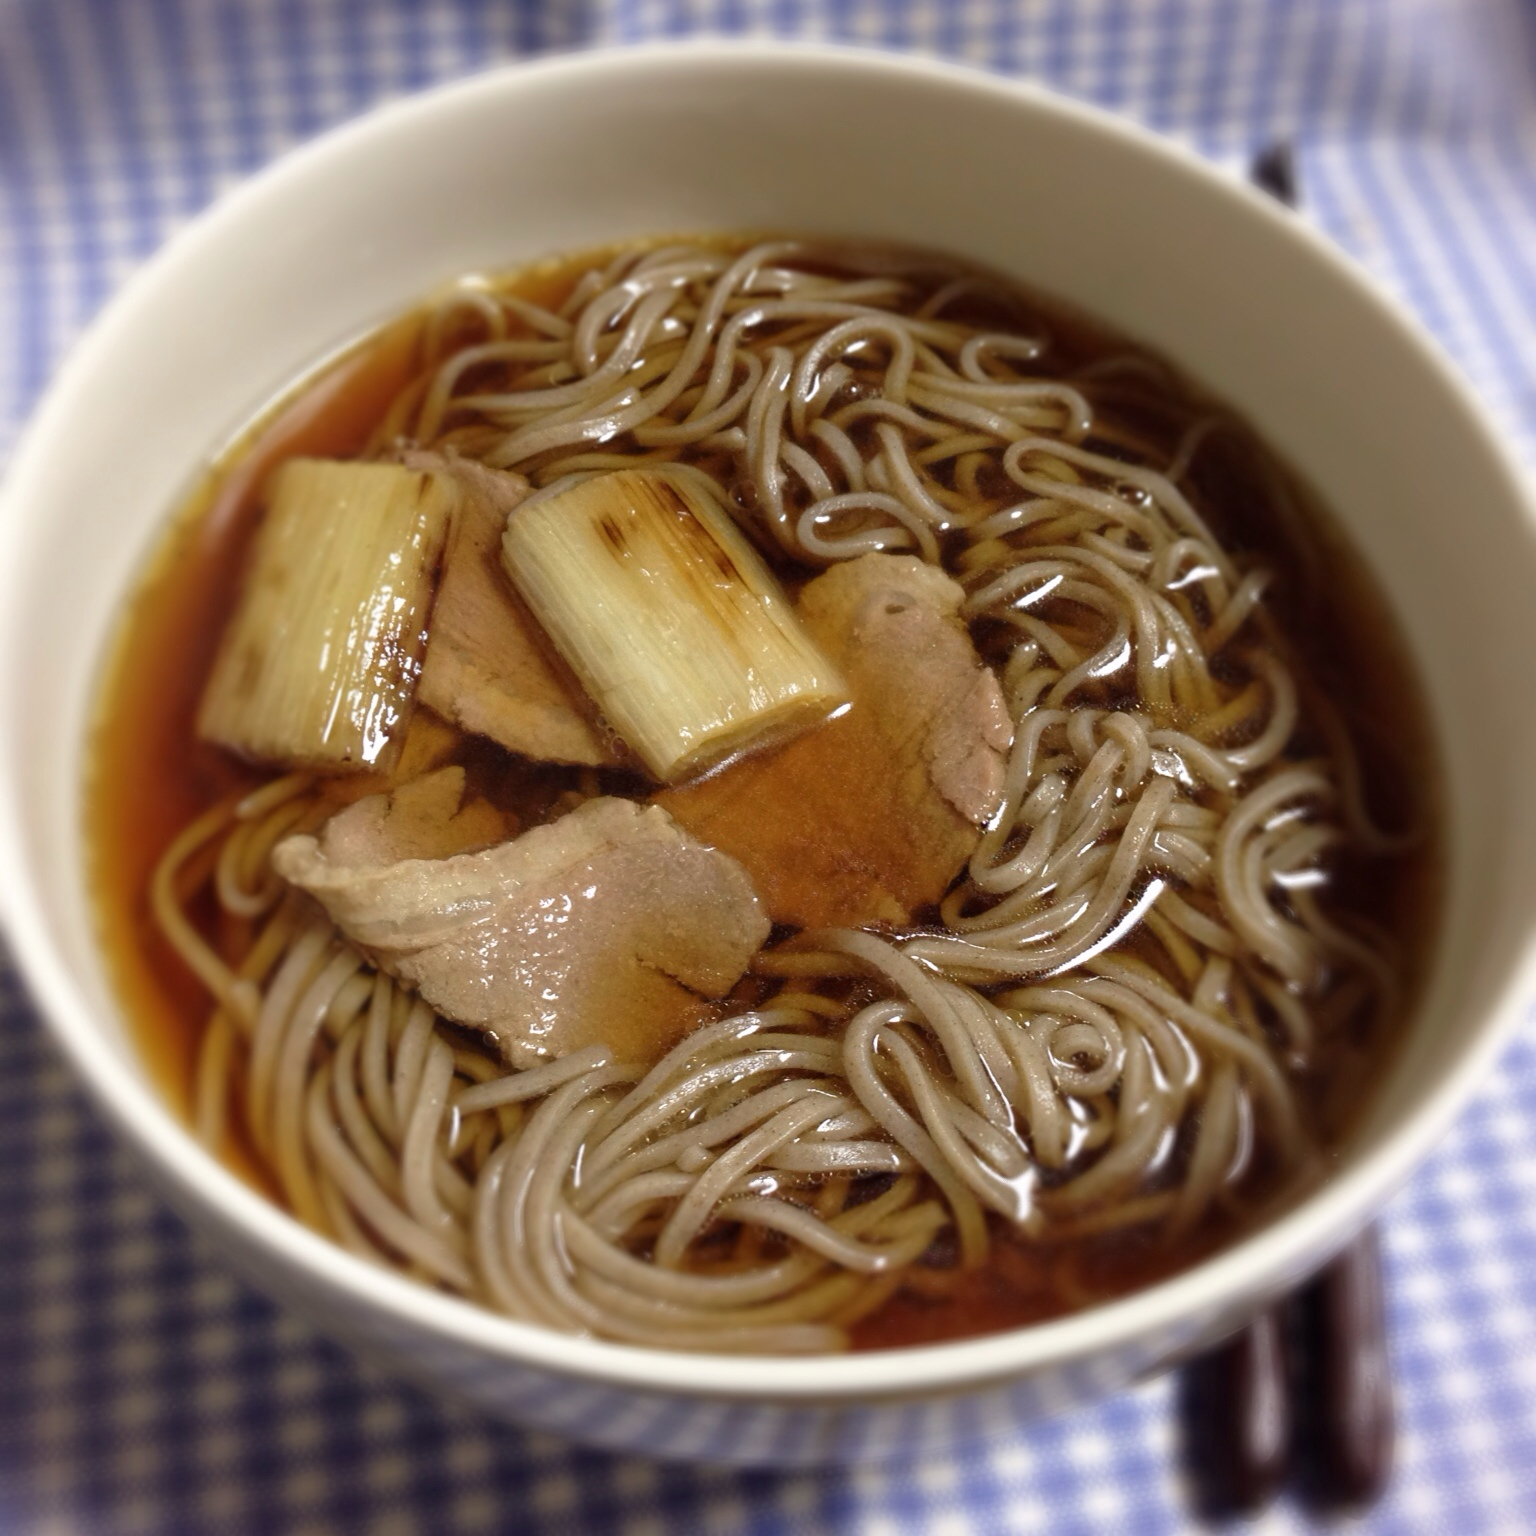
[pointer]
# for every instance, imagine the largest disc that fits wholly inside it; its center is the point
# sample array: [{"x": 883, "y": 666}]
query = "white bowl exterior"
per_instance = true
[{"x": 580, "y": 152}]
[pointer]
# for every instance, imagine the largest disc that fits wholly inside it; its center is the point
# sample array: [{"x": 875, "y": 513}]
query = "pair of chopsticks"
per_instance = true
[{"x": 1303, "y": 1395}]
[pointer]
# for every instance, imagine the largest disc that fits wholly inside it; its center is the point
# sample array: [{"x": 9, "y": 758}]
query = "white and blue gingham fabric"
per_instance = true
[{"x": 143, "y": 1389}]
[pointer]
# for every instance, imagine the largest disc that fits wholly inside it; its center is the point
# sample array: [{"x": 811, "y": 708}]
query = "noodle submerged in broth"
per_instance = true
[{"x": 1134, "y": 1010}]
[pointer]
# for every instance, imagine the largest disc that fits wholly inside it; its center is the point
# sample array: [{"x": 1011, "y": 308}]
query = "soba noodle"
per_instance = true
[{"x": 1105, "y": 1017}]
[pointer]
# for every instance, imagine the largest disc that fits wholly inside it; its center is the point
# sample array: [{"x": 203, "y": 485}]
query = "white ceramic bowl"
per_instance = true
[{"x": 578, "y": 152}]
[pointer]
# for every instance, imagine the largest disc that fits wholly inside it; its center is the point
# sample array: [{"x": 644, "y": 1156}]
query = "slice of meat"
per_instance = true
[
  {"x": 487, "y": 667},
  {"x": 429, "y": 742},
  {"x": 872, "y": 815},
  {"x": 610, "y": 925},
  {"x": 425, "y": 819}
]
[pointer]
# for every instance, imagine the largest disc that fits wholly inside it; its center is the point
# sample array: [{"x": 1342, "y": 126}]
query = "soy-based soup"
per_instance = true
[{"x": 1012, "y": 897}]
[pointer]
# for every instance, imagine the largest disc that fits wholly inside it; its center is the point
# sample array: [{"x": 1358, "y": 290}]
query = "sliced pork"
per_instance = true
[
  {"x": 487, "y": 666},
  {"x": 611, "y": 925},
  {"x": 872, "y": 815}
]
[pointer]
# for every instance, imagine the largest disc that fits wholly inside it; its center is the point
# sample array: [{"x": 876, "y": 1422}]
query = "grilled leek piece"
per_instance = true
[
  {"x": 318, "y": 665},
  {"x": 669, "y": 618}
]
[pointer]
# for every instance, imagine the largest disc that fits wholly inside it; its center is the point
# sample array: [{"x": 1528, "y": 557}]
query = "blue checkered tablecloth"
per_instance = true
[{"x": 143, "y": 1389}]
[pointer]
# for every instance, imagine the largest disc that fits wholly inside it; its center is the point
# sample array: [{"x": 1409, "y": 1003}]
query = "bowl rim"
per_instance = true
[{"x": 1236, "y": 1276}]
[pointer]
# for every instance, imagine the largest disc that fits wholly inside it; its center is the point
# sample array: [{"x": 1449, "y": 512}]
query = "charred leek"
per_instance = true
[
  {"x": 318, "y": 665},
  {"x": 669, "y": 617}
]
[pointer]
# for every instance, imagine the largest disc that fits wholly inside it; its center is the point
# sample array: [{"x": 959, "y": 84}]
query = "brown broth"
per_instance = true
[{"x": 150, "y": 776}]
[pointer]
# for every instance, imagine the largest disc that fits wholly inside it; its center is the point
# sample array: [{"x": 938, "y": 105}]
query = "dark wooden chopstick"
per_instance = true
[
  {"x": 1345, "y": 1421},
  {"x": 1235, "y": 1407},
  {"x": 1273, "y": 170}
]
